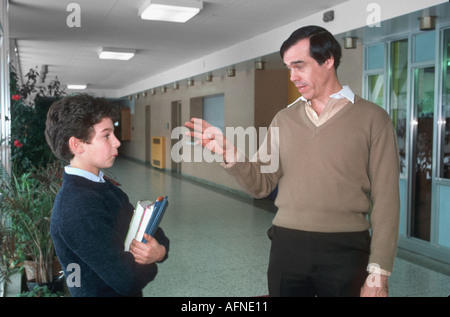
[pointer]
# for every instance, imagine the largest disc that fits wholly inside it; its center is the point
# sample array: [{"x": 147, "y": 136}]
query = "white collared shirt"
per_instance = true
[
  {"x": 345, "y": 92},
  {"x": 334, "y": 105},
  {"x": 88, "y": 175}
]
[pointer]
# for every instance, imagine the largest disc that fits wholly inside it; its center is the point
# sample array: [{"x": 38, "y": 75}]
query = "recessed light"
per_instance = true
[
  {"x": 116, "y": 53},
  {"x": 76, "y": 86},
  {"x": 170, "y": 10}
]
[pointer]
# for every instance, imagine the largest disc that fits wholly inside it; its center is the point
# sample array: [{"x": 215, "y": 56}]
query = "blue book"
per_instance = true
[
  {"x": 146, "y": 219},
  {"x": 156, "y": 217}
]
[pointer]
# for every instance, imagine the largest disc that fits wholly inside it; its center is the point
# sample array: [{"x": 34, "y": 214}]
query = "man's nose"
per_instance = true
[{"x": 294, "y": 76}]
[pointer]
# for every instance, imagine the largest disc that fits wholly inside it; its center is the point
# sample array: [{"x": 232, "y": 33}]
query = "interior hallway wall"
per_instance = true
[{"x": 351, "y": 68}]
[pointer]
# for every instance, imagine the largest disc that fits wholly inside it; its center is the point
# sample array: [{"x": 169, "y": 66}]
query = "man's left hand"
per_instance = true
[{"x": 376, "y": 285}]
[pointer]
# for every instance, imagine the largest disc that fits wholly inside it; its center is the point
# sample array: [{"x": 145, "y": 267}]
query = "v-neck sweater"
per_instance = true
[{"x": 341, "y": 176}]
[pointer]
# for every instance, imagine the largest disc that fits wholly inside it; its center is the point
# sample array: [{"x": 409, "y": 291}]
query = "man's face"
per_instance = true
[
  {"x": 101, "y": 151},
  {"x": 309, "y": 77}
]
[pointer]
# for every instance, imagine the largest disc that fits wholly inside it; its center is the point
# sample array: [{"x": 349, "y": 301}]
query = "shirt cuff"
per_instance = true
[
  {"x": 375, "y": 268},
  {"x": 239, "y": 157}
]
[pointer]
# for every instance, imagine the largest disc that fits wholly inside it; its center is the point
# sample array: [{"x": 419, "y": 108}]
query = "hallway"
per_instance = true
[{"x": 219, "y": 246}]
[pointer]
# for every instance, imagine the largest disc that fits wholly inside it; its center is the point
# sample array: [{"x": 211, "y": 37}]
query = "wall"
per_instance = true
[
  {"x": 351, "y": 68},
  {"x": 239, "y": 94}
]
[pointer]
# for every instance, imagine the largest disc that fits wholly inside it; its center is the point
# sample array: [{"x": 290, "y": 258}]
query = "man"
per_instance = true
[{"x": 337, "y": 179}]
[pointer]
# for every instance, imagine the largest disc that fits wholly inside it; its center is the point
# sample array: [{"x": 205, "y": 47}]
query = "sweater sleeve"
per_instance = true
[
  {"x": 385, "y": 214},
  {"x": 259, "y": 175}
]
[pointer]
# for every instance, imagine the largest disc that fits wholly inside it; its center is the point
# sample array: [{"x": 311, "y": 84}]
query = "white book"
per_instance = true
[{"x": 139, "y": 221}]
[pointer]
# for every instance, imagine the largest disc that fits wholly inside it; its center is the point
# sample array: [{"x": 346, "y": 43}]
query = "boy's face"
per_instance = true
[{"x": 101, "y": 151}]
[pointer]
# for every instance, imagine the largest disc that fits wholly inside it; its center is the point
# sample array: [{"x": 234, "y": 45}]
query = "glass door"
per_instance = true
[
  {"x": 422, "y": 153},
  {"x": 444, "y": 150}
]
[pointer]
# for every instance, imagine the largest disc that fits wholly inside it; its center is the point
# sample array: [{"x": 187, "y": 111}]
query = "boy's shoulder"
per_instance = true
[{"x": 76, "y": 193}]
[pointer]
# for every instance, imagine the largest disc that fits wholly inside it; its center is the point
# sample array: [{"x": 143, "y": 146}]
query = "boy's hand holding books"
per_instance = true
[
  {"x": 144, "y": 225},
  {"x": 147, "y": 253}
]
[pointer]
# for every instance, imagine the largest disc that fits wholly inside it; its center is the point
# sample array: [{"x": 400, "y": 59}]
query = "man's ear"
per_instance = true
[
  {"x": 76, "y": 145},
  {"x": 330, "y": 62}
]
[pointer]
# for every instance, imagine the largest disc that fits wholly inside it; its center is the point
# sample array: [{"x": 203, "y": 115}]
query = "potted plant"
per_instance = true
[
  {"x": 28, "y": 193},
  {"x": 28, "y": 201}
]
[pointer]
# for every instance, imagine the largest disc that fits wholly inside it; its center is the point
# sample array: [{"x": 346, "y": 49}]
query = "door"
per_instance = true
[
  {"x": 422, "y": 138},
  {"x": 176, "y": 122},
  {"x": 148, "y": 137}
]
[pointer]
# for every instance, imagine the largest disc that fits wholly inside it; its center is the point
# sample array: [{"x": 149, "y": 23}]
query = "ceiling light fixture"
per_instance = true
[
  {"x": 116, "y": 53},
  {"x": 179, "y": 11},
  {"x": 77, "y": 86}
]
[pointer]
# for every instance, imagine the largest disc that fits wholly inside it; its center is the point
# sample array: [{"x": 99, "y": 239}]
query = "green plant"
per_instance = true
[
  {"x": 29, "y": 106},
  {"x": 28, "y": 201},
  {"x": 10, "y": 256},
  {"x": 41, "y": 291}
]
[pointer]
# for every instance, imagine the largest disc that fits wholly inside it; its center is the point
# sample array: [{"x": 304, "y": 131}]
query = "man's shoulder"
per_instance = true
[
  {"x": 291, "y": 109},
  {"x": 372, "y": 109}
]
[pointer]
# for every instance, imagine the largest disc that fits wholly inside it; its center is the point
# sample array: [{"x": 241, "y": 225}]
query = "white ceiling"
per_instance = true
[
  {"x": 43, "y": 37},
  {"x": 167, "y": 51}
]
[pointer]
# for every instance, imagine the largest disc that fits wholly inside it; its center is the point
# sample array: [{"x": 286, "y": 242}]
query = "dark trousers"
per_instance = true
[{"x": 317, "y": 264}]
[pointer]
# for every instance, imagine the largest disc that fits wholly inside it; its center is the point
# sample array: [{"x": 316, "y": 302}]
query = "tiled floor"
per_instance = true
[{"x": 219, "y": 245}]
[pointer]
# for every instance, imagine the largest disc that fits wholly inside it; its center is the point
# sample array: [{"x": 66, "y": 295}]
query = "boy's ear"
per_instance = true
[{"x": 76, "y": 145}]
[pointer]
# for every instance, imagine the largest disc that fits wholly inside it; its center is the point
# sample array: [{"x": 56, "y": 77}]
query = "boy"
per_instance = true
[{"x": 90, "y": 215}]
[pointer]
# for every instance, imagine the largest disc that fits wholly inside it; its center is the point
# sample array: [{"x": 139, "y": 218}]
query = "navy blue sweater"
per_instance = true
[{"x": 89, "y": 224}]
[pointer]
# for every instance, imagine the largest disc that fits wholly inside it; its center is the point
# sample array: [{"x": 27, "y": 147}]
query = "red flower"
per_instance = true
[
  {"x": 15, "y": 97},
  {"x": 17, "y": 143}
]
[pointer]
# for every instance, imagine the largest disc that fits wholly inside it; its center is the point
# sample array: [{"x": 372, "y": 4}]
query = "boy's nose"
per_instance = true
[{"x": 116, "y": 142}]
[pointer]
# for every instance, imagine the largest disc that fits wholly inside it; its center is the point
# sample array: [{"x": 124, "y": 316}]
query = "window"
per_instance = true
[
  {"x": 375, "y": 74},
  {"x": 398, "y": 93},
  {"x": 375, "y": 57},
  {"x": 376, "y": 89},
  {"x": 424, "y": 48},
  {"x": 214, "y": 111}
]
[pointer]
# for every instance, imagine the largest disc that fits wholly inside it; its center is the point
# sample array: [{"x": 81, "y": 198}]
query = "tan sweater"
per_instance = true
[{"x": 331, "y": 176}]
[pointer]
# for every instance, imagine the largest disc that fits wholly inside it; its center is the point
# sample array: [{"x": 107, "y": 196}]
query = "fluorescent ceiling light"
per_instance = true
[
  {"x": 170, "y": 10},
  {"x": 116, "y": 53},
  {"x": 71, "y": 86}
]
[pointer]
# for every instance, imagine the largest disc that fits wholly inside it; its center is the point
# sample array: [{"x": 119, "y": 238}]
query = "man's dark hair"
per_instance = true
[
  {"x": 323, "y": 44},
  {"x": 76, "y": 116}
]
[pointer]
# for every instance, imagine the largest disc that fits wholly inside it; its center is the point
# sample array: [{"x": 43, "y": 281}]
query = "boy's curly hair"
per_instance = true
[{"x": 76, "y": 116}]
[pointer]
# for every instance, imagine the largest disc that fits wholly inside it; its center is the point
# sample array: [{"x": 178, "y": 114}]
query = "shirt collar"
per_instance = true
[
  {"x": 345, "y": 92},
  {"x": 88, "y": 175}
]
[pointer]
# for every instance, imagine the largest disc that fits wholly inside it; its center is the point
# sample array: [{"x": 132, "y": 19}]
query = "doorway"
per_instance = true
[
  {"x": 175, "y": 122},
  {"x": 148, "y": 137}
]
